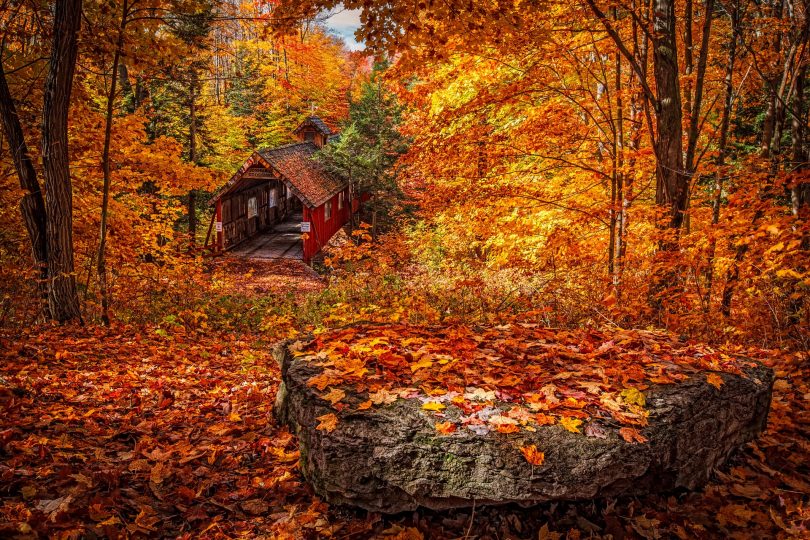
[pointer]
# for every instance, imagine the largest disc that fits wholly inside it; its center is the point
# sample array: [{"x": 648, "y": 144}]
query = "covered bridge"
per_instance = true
[{"x": 282, "y": 189}]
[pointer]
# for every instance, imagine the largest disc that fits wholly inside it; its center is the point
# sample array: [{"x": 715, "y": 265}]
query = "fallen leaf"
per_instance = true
[
  {"x": 595, "y": 431},
  {"x": 433, "y": 406},
  {"x": 445, "y": 428},
  {"x": 328, "y": 422},
  {"x": 532, "y": 455},
  {"x": 334, "y": 395},
  {"x": 714, "y": 379},
  {"x": 571, "y": 424},
  {"x": 632, "y": 435},
  {"x": 633, "y": 396}
]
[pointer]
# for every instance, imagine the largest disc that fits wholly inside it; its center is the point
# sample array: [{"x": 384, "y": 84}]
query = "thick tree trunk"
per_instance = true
[
  {"x": 672, "y": 182},
  {"x": 105, "y": 166},
  {"x": 32, "y": 205},
  {"x": 63, "y": 297}
]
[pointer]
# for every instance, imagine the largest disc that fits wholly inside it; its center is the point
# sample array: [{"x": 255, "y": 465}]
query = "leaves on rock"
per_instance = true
[
  {"x": 533, "y": 455},
  {"x": 327, "y": 422},
  {"x": 714, "y": 379},
  {"x": 632, "y": 435}
]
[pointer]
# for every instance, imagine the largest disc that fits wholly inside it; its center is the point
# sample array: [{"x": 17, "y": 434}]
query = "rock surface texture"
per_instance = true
[{"x": 391, "y": 458}]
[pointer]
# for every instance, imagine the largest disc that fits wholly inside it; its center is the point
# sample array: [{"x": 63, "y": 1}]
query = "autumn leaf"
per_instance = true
[
  {"x": 364, "y": 406},
  {"x": 714, "y": 379},
  {"x": 382, "y": 397},
  {"x": 433, "y": 406},
  {"x": 632, "y": 435},
  {"x": 595, "y": 431},
  {"x": 424, "y": 362},
  {"x": 328, "y": 422},
  {"x": 159, "y": 473},
  {"x": 445, "y": 428},
  {"x": 334, "y": 395},
  {"x": 532, "y": 455},
  {"x": 544, "y": 419},
  {"x": 571, "y": 424},
  {"x": 633, "y": 396}
]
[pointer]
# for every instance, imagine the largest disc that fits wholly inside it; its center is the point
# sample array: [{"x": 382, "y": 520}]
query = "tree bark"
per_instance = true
[
  {"x": 32, "y": 205},
  {"x": 697, "y": 104},
  {"x": 63, "y": 297},
  {"x": 192, "y": 217},
  {"x": 192, "y": 154},
  {"x": 672, "y": 185},
  {"x": 799, "y": 192},
  {"x": 105, "y": 166},
  {"x": 131, "y": 102},
  {"x": 694, "y": 107}
]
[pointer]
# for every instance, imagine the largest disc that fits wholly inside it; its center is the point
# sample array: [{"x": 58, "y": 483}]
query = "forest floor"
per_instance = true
[
  {"x": 136, "y": 431},
  {"x": 278, "y": 276}
]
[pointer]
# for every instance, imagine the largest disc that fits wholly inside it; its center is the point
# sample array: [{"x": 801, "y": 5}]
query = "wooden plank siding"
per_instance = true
[
  {"x": 237, "y": 226},
  {"x": 322, "y": 229}
]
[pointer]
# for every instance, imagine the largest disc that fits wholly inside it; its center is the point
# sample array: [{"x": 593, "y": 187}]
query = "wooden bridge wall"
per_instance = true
[
  {"x": 237, "y": 227},
  {"x": 322, "y": 229}
]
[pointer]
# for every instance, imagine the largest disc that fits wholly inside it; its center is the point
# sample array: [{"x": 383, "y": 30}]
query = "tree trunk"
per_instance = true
[
  {"x": 694, "y": 107},
  {"x": 721, "y": 157},
  {"x": 618, "y": 202},
  {"x": 192, "y": 154},
  {"x": 63, "y": 297},
  {"x": 192, "y": 217},
  {"x": 672, "y": 182},
  {"x": 688, "y": 53},
  {"x": 105, "y": 166},
  {"x": 769, "y": 122},
  {"x": 127, "y": 91},
  {"x": 192, "y": 115},
  {"x": 32, "y": 205},
  {"x": 799, "y": 191}
]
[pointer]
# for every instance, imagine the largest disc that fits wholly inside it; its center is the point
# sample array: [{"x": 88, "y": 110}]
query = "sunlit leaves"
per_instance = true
[
  {"x": 533, "y": 455},
  {"x": 714, "y": 379},
  {"x": 327, "y": 422},
  {"x": 571, "y": 424},
  {"x": 433, "y": 406}
]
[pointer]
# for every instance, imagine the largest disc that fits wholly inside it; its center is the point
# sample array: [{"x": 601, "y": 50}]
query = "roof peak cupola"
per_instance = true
[{"x": 313, "y": 130}]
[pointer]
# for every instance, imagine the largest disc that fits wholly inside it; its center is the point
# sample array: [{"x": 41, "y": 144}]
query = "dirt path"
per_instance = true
[{"x": 262, "y": 276}]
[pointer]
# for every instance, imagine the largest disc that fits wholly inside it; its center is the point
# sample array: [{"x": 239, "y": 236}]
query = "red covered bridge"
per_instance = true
[{"x": 282, "y": 203}]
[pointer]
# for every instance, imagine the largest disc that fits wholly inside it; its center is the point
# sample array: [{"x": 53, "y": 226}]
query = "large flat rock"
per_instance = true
[{"x": 390, "y": 457}]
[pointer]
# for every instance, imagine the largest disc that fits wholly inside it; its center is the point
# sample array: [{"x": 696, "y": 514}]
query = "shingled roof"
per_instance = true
[
  {"x": 317, "y": 123},
  {"x": 307, "y": 178}
]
